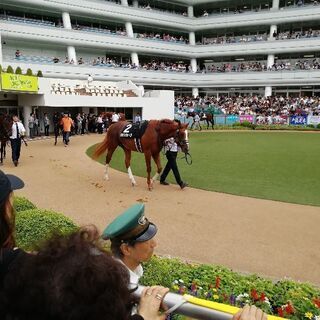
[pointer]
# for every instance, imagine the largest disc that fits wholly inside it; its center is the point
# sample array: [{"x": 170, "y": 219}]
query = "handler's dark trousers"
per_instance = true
[
  {"x": 171, "y": 165},
  {"x": 15, "y": 147}
]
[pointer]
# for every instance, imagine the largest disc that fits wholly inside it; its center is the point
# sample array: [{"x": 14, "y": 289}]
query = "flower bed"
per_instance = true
[{"x": 285, "y": 298}]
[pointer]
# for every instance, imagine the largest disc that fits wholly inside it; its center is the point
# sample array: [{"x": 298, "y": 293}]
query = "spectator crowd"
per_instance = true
[{"x": 250, "y": 105}]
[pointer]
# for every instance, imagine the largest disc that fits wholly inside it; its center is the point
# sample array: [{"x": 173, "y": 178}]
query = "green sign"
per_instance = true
[{"x": 18, "y": 82}]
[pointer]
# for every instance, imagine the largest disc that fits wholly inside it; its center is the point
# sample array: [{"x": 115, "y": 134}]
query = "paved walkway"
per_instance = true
[{"x": 249, "y": 235}]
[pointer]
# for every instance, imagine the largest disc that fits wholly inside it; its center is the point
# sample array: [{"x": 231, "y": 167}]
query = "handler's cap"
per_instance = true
[
  {"x": 8, "y": 182},
  {"x": 131, "y": 225}
]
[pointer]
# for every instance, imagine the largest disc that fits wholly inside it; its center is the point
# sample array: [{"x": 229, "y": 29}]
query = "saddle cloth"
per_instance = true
[{"x": 134, "y": 130}]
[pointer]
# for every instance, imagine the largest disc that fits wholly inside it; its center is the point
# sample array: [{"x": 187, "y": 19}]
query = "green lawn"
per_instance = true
[{"x": 282, "y": 166}]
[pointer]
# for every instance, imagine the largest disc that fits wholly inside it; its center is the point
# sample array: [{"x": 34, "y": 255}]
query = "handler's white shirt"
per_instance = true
[
  {"x": 115, "y": 117},
  {"x": 170, "y": 145},
  {"x": 21, "y": 129},
  {"x": 135, "y": 275}
]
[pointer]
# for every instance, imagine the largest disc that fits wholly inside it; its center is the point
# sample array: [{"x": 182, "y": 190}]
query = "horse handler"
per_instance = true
[
  {"x": 171, "y": 149},
  {"x": 18, "y": 132}
]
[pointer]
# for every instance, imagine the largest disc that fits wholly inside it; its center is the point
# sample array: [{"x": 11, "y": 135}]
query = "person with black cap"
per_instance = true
[
  {"x": 132, "y": 238},
  {"x": 8, "y": 183},
  {"x": 18, "y": 131}
]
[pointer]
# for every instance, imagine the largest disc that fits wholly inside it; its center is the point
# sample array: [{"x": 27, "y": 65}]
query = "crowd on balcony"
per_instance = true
[
  {"x": 163, "y": 37},
  {"x": 105, "y": 29},
  {"x": 149, "y": 7},
  {"x": 233, "y": 39},
  {"x": 262, "y": 66},
  {"x": 181, "y": 66},
  {"x": 245, "y": 9},
  {"x": 310, "y": 33},
  {"x": 152, "y": 65},
  {"x": 251, "y": 105},
  {"x": 296, "y": 34}
]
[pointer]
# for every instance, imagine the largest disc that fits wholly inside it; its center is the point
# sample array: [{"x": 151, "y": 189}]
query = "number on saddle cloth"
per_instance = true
[{"x": 134, "y": 130}]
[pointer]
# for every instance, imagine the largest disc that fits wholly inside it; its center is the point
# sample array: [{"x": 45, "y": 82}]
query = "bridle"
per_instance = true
[{"x": 184, "y": 145}]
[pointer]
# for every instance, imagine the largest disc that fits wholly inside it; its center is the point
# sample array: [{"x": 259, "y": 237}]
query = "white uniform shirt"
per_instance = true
[
  {"x": 170, "y": 145},
  {"x": 135, "y": 275},
  {"x": 115, "y": 117},
  {"x": 137, "y": 118},
  {"x": 21, "y": 129}
]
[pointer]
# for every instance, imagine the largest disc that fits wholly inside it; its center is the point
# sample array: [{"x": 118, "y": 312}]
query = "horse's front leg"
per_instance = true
[
  {"x": 147, "y": 157},
  {"x": 156, "y": 158},
  {"x": 127, "y": 162}
]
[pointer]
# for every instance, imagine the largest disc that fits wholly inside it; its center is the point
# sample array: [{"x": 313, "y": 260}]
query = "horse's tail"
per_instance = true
[{"x": 101, "y": 148}]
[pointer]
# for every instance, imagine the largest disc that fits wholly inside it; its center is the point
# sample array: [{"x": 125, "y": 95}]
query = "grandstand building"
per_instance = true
[{"x": 206, "y": 47}]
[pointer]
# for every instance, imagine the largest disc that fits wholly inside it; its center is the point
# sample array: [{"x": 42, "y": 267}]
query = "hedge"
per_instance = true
[
  {"x": 22, "y": 204},
  {"x": 37, "y": 225},
  {"x": 283, "y": 298}
]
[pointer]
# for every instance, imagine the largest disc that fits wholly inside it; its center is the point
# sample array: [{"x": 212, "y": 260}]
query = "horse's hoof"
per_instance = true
[
  {"x": 133, "y": 183},
  {"x": 106, "y": 178}
]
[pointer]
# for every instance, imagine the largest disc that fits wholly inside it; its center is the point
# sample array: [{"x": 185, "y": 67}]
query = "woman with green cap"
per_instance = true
[{"x": 8, "y": 253}]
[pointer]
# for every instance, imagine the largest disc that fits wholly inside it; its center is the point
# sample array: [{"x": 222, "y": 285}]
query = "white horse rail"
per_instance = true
[
  {"x": 198, "y": 308},
  {"x": 178, "y": 304}
]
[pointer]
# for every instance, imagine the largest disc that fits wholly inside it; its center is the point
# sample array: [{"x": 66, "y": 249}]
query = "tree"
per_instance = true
[
  {"x": 9, "y": 69},
  {"x": 39, "y": 74},
  {"x": 29, "y": 72},
  {"x": 18, "y": 70}
]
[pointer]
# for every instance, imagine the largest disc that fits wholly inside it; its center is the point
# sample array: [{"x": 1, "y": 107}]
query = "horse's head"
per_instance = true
[
  {"x": 177, "y": 130},
  {"x": 122, "y": 116},
  {"x": 181, "y": 137}
]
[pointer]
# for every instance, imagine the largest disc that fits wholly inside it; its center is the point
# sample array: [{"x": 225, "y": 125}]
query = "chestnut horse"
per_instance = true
[
  {"x": 5, "y": 132},
  {"x": 152, "y": 141},
  {"x": 204, "y": 116}
]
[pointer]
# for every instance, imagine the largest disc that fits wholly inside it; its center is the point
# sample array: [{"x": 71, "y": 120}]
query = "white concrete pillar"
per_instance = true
[
  {"x": 1, "y": 49},
  {"x": 135, "y": 3},
  {"x": 268, "y": 91},
  {"x": 273, "y": 28},
  {"x": 275, "y": 4},
  {"x": 66, "y": 20},
  {"x": 192, "y": 38},
  {"x": 270, "y": 60},
  {"x": 135, "y": 58},
  {"x": 195, "y": 92},
  {"x": 26, "y": 114},
  {"x": 72, "y": 54},
  {"x": 194, "y": 66},
  {"x": 190, "y": 12},
  {"x": 129, "y": 29},
  {"x": 124, "y": 2}
]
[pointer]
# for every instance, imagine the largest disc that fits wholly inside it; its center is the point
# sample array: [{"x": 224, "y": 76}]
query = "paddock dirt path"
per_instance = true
[{"x": 270, "y": 238}]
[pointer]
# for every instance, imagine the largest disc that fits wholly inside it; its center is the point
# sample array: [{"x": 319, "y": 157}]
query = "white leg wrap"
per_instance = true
[
  {"x": 131, "y": 177},
  {"x": 155, "y": 177},
  {"x": 106, "y": 175}
]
